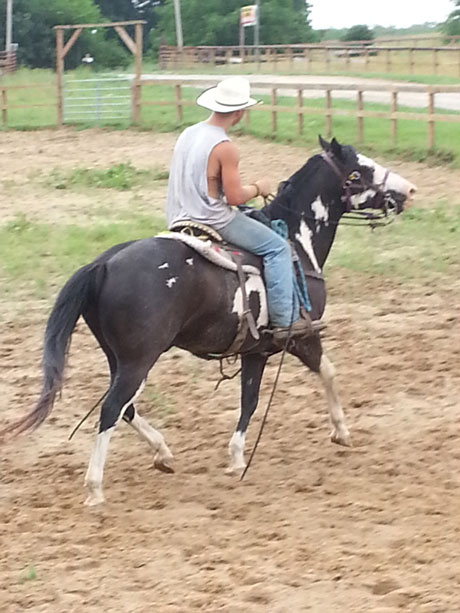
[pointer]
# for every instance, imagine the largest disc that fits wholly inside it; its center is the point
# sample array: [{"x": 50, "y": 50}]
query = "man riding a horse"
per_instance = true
[
  {"x": 205, "y": 187},
  {"x": 142, "y": 297}
]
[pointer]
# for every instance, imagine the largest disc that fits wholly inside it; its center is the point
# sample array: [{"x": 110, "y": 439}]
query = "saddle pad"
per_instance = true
[{"x": 211, "y": 251}]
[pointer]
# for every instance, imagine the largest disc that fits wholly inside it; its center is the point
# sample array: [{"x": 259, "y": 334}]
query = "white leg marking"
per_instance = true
[
  {"x": 163, "y": 457},
  {"x": 340, "y": 433},
  {"x": 95, "y": 472},
  {"x": 236, "y": 451}
]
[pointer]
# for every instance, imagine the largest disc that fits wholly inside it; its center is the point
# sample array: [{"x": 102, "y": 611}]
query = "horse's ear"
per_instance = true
[
  {"x": 325, "y": 146},
  {"x": 336, "y": 149}
]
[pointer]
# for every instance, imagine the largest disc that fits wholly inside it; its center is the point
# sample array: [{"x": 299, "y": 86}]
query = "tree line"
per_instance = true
[{"x": 205, "y": 22}]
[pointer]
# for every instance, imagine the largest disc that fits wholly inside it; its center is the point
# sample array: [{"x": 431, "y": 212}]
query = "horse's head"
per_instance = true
[{"x": 365, "y": 183}]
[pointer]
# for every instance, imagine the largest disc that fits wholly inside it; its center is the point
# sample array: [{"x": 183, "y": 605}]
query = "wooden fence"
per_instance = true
[
  {"x": 22, "y": 100},
  {"x": 325, "y": 90},
  {"x": 355, "y": 57},
  {"x": 13, "y": 97}
]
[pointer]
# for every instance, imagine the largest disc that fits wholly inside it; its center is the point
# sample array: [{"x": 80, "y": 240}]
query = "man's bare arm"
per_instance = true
[{"x": 236, "y": 193}]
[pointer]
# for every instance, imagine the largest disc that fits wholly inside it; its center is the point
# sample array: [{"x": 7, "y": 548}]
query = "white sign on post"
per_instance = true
[{"x": 249, "y": 15}]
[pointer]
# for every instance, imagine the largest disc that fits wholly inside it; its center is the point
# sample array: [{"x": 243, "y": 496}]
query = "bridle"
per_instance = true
[{"x": 355, "y": 180}]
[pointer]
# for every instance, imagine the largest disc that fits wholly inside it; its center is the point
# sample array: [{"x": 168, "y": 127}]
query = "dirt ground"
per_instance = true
[{"x": 314, "y": 527}]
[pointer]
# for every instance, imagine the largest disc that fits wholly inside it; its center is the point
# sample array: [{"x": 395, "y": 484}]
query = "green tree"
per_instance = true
[
  {"x": 33, "y": 22},
  {"x": 216, "y": 22},
  {"x": 359, "y": 32},
  {"x": 452, "y": 26}
]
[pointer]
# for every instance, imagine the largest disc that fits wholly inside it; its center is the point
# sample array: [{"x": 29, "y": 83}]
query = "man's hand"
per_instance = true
[{"x": 264, "y": 186}]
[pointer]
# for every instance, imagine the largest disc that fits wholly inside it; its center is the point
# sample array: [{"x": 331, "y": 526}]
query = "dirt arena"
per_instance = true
[{"x": 314, "y": 527}]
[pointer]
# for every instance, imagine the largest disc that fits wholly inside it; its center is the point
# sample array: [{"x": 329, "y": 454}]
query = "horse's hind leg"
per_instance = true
[
  {"x": 163, "y": 459},
  {"x": 310, "y": 352},
  {"x": 125, "y": 388},
  {"x": 252, "y": 369}
]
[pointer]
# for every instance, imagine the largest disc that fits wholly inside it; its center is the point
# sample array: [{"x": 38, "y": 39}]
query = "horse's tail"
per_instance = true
[{"x": 71, "y": 302}]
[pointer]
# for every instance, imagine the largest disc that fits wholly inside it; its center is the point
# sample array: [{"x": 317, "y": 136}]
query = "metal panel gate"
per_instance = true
[{"x": 103, "y": 99}]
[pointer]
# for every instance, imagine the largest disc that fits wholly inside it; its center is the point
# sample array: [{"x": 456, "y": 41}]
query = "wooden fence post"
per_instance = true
[
  {"x": 459, "y": 63},
  {"x": 247, "y": 119},
  {"x": 4, "y": 108},
  {"x": 411, "y": 61},
  {"x": 308, "y": 58},
  {"x": 394, "y": 121},
  {"x": 435, "y": 61},
  {"x": 178, "y": 92},
  {"x": 431, "y": 123},
  {"x": 299, "y": 110},
  {"x": 274, "y": 112},
  {"x": 388, "y": 60},
  {"x": 360, "y": 118},
  {"x": 59, "y": 73},
  {"x": 138, "y": 72},
  {"x": 366, "y": 58},
  {"x": 328, "y": 113}
]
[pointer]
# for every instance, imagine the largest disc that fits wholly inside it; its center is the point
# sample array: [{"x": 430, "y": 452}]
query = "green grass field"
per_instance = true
[{"x": 36, "y": 256}]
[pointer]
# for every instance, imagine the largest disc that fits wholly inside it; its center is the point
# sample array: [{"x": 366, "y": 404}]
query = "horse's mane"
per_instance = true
[{"x": 304, "y": 183}]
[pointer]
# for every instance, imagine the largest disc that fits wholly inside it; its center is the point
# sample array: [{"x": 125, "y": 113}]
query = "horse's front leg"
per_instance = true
[
  {"x": 252, "y": 368},
  {"x": 340, "y": 433},
  {"x": 311, "y": 353}
]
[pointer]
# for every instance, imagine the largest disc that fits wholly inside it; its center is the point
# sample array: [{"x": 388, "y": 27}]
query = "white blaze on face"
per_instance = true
[
  {"x": 253, "y": 284},
  {"x": 304, "y": 237},
  {"x": 392, "y": 182}
]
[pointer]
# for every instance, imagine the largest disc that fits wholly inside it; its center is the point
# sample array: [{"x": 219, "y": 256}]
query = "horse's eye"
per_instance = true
[{"x": 354, "y": 176}]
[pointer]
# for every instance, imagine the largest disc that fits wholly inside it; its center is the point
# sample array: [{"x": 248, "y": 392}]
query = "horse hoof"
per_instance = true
[
  {"x": 93, "y": 501},
  {"x": 235, "y": 471},
  {"x": 343, "y": 439},
  {"x": 165, "y": 465}
]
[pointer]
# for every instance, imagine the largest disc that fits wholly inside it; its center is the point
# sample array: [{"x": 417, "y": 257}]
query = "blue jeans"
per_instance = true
[{"x": 249, "y": 234}]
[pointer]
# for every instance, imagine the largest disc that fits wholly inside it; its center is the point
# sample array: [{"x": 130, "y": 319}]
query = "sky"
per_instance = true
[{"x": 400, "y": 13}]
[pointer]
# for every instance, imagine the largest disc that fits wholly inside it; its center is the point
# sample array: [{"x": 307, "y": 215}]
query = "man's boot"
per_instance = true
[{"x": 302, "y": 328}]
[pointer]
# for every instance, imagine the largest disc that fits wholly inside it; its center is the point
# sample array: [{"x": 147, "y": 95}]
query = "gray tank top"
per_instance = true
[{"x": 188, "y": 196}]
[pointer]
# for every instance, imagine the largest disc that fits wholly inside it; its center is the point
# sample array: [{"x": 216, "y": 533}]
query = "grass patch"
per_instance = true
[
  {"x": 123, "y": 176},
  {"x": 36, "y": 256},
  {"x": 29, "y": 574},
  {"x": 420, "y": 244}
]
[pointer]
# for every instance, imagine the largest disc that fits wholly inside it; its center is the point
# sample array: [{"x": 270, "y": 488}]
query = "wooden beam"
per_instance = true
[
  {"x": 100, "y": 25},
  {"x": 4, "y": 108},
  {"x": 126, "y": 38},
  {"x": 69, "y": 44},
  {"x": 136, "y": 110},
  {"x": 274, "y": 110},
  {"x": 359, "y": 116},
  {"x": 394, "y": 121},
  {"x": 59, "y": 73},
  {"x": 431, "y": 120}
]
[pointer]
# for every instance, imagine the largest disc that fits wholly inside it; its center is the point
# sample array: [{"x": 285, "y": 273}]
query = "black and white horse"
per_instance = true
[{"x": 141, "y": 298}]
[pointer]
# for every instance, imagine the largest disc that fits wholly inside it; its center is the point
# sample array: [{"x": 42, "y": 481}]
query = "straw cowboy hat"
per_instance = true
[{"x": 229, "y": 95}]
